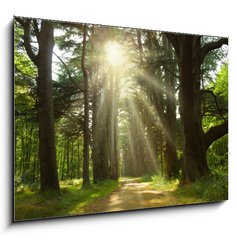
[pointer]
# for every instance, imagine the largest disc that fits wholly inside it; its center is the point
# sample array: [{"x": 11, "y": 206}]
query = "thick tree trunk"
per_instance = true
[
  {"x": 47, "y": 150},
  {"x": 100, "y": 166},
  {"x": 190, "y": 56},
  {"x": 172, "y": 166},
  {"x": 194, "y": 154},
  {"x": 43, "y": 61}
]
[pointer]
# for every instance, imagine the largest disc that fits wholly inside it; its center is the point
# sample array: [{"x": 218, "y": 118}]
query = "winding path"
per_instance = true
[{"x": 130, "y": 196}]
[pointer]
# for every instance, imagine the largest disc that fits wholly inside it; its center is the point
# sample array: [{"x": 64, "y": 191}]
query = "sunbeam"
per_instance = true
[
  {"x": 155, "y": 82},
  {"x": 141, "y": 129}
]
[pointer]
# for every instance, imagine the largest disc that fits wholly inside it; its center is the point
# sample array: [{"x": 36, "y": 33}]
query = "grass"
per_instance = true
[
  {"x": 72, "y": 199},
  {"x": 70, "y": 202},
  {"x": 212, "y": 188}
]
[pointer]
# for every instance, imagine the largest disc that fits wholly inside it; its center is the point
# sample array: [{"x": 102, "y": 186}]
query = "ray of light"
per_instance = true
[
  {"x": 155, "y": 82},
  {"x": 155, "y": 116},
  {"x": 141, "y": 128}
]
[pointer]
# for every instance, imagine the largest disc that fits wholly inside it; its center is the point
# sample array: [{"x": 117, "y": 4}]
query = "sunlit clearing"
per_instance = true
[{"x": 114, "y": 54}]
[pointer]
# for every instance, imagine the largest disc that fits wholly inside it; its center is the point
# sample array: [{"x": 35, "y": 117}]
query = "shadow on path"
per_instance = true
[{"x": 131, "y": 195}]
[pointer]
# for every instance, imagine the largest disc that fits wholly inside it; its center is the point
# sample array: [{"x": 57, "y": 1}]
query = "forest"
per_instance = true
[{"x": 110, "y": 118}]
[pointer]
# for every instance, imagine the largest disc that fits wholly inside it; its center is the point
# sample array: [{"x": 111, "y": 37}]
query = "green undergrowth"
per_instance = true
[
  {"x": 212, "y": 188},
  {"x": 70, "y": 201},
  {"x": 163, "y": 184}
]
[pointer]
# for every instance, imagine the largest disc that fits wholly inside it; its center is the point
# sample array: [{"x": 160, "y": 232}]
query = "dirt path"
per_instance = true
[{"x": 131, "y": 195}]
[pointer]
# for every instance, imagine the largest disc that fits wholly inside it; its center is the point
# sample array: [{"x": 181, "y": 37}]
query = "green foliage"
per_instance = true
[
  {"x": 215, "y": 100},
  {"x": 69, "y": 118},
  {"x": 211, "y": 61},
  {"x": 69, "y": 202},
  {"x": 145, "y": 178},
  {"x": 217, "y": 156},
  {"x": 208, "y": 189},
  {"x": 221, "y": 85},
  {"x": 163, "y": 184}
]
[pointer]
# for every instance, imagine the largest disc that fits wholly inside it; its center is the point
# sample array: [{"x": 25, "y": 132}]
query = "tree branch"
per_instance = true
[
  {"x": 78, "y": 86},
  {"x": 215, "y": 98},
  {"x": 170, "y": 71},
  {"x": 214, "y": 133},
  {"x": 36, "y": 29},
  {"x": 173, "y": 38},
  {"x": 211, "y": 46},
  {"x": 27, "y": 40}
]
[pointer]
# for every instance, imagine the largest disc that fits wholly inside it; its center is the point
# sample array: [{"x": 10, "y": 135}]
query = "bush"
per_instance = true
[
  {"x": 210, "y": 189},
  {"x": 161, "y": 183},
  {"x": 218, "y": 189},
  {"x": 71, "y": 182}
]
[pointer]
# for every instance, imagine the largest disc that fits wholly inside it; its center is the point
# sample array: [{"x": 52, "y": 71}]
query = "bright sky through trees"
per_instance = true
[{"x": 114, "y": 53}]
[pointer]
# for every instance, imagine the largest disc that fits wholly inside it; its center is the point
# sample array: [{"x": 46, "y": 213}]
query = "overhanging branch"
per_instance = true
[
  {"x": 214, "y": 133},
  {"x": 212, "y": 46}
]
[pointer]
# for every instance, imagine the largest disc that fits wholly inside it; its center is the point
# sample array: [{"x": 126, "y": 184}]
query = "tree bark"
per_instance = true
[
  {"x": 43, "y": 61},
  {"x": 190, "y": 56},
  {"x": 86, "y": 180},
  {"x": 47, "y": 149},
  {"x": 194, "y": 155},
  {"x": 172, "y": 166},
  {"x": 113, "y": 95}
]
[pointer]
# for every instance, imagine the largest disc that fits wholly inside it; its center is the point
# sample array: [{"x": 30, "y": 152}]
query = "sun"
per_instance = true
[{"x": 114, "y": 53}]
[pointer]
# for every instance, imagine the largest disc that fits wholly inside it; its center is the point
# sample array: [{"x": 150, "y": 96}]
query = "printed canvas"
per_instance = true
[{"x": 111, "y": 119}]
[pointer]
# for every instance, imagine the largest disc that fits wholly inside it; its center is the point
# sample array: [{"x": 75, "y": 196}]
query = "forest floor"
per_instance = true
[
  {"x": 134, "y": 194},
  {"x": 113, "y": 196}
]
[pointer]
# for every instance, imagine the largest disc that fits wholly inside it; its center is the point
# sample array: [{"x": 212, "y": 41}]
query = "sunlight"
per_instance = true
[
  {"x": 153, "y": 114},
  {"x": 114, "y": 54},
  {"x": 132, "y": 108}
]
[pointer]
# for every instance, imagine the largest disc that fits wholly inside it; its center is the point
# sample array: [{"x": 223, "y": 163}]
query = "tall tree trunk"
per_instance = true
[
  {"x": 190, "y": 56},
  {"x": 43, "y": 61},
  {"x": 86, "y": 180},
  {"x": 170, "y": 131},
  {"x": 101, "y": 140},
  {"x": 64, "y": 159},
  {"x": 194, "y": 154},
  {"x": 72, "y": 170},
  {"x": 113, "y": 93},
  {"x": 78, "y": 160},
  {"x": 161, "y": 155},
  {"x": 68, "y": 156},
  {"x": 95, "y": 135},
  {"x": 47, "y": 149}
]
